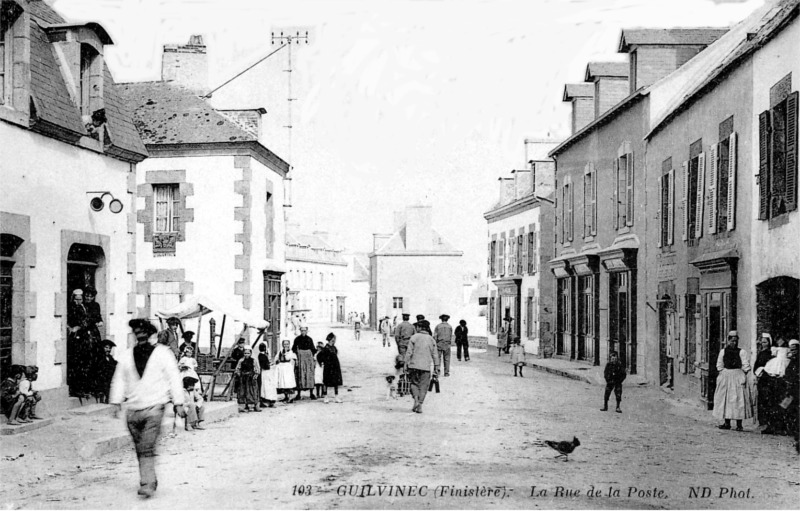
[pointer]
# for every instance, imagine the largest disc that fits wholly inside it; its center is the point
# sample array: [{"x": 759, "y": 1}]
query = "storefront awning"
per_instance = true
[{"x": 197, "y": 306}]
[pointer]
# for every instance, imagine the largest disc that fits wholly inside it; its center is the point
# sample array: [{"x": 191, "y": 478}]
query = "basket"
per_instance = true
[{"x": 403, "y": 385}]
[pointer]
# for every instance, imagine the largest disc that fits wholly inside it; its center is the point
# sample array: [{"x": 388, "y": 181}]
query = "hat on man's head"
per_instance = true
[
  {"x": 187, "y": 335},
  {"x": 189, "y": 381},
  {"x": 444, "y": 317},
  {"x": 173, "y": 320},
  {"x": 420, "y": 317},
  {"x": 108, "y": 342},
  {"x": 423, "y": 323},
  {"x": 794, "y": 342},
  {"x": 406, "y": 316},
  {"x": 142, "y": 324}
]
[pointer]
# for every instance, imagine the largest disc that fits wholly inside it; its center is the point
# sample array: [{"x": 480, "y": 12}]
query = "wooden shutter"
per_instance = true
[
  {"x": 571, "y": 226},
  {"x": 660, "y": 216},
  {"x": 764, "y": 127},
  {"x": 535, "y": 248},
  {"x": 616, "y": 193},
  {"x": 563, "y": 210},
  {"x": 712, "y": 190},
  {"x": 629, "y": 190},
  {"x": 489, "y": 263},
  {"x": 587, "y": 203},
  {"x": 594, "y": 201},
  {"x": 791, "y": 151},
  {"x": 685, "y": 200},
  {"x": 732, "y": 162},
  {"x": 701, "y": 188},
  {"x": 671, "y": 208},
  {"x": 501, "y": 262}
]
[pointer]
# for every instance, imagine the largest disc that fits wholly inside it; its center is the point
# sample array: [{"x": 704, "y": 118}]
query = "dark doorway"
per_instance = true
[
  {"x": 272, "y": 309},
  {"x": 8, "y": 250},
  {"x": 663, "y": 374}
]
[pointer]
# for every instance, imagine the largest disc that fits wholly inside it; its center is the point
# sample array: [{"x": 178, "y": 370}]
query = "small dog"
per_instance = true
[{"x": 391, "y": 388}]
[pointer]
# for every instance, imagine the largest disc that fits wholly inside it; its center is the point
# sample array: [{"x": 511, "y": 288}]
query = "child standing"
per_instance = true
[
  {"x": 318, "y": 371},
  {"x": 615, "y": 374},
  {"x": 517, "y": 356},
  {"x": 284, "y": 366}
]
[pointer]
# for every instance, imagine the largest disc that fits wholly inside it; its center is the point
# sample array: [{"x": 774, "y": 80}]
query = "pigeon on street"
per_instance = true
[{"x": 564, "y": 447}]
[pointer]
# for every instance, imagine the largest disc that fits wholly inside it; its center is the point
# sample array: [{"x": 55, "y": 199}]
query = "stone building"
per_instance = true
[
  {"x": 722, "y": 181},
  {"x": 68, "y": 160},
  {"x": 358, "y": 286},
  {"x": 601, "y": 221},
  {"x": 414, "y": 270},
  {"x": 520, "y": 226},
  {"x": 210, "y": 198},
  {"x": 317, "y": 277}
]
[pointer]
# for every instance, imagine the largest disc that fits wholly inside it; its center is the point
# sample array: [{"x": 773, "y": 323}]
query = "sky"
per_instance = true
[{"x": 396, "y": 102}]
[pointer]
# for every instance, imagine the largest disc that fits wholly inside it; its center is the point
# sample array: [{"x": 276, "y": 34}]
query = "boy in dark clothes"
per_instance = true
[{"x": 615, "y": 374}]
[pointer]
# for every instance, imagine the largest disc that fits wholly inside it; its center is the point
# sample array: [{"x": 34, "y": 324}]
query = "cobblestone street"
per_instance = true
[{"x": 478, "y": 435}]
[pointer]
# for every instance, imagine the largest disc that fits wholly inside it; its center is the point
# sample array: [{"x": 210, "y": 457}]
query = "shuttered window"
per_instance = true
[
  {"x": 523, "y": 240},
  {"x": 501, "y": 260},
  {"x": 778, "y": 158},
  {"x": 623, "y": 191},
  {"x": 9, "y": 14},
  {"x": 588, "y": 201}
]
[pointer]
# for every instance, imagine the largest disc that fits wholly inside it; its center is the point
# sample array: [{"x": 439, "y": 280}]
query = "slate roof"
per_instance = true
[
  {"x": 360, "y": 267},
  {"x": 121, "y": 132},
  {"x": 166, "y": 113},
  {"x": 669, "y": 36},
  {"x": 578, "y": 90},
  {"x": 50, "y": 96},
  {"x": 44, "y": 13},
  {"x": 676, "y": 92},
  {"x": 611, "y": 69},
  {"x": 397, "y": 243}
]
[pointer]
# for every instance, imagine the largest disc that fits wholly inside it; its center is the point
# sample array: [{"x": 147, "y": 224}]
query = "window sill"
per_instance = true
[
  {"x": 624, "y": 230},
  {"x": 780, "y": 220},
  {"x": 8, "y": 114},
  {"x": 588, "y": 239}
]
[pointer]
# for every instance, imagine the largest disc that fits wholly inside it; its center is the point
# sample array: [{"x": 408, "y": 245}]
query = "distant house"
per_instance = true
[
  {"x": 358, "y": 285},
  {"x": 68, "y": 156},
  {"x": 414, "y": 270},
  {"x": 210, "y": 198},
  {"x": 520, "y": 243},
  {"x": 317, "y": 277}
]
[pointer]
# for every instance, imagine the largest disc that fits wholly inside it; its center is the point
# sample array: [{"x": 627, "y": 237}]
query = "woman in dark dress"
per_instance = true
[
  {"x": 764, "y": 404},
  {"x": 94, "y": 326},
  {"x": 247, "y": 372},
  {"x": 79, "y": 348},
  {"x": 332, "y": 371}
]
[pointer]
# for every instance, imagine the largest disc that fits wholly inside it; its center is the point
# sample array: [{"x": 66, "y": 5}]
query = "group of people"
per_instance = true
[
  {"x": 90, "y": 365},
  {"x": 419, "y": 349},
  {"x": 766, "y": 391},
  {"x": 298, "y": 367}
]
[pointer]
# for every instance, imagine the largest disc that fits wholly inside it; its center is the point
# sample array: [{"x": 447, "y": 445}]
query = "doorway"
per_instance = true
[
  {"x": 716, "y": 326},
  {"x": 778, "y": 307}
]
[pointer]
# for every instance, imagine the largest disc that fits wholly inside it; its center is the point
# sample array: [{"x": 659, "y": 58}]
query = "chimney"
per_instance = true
[
  {"x": 186, "y": 64},
  {"x": 522, "y": 183},
  {"x": 506, "y": 190},
  {"x": 419, "y": 233},
  {"x": 581, "y": 95},
  {"x": 610, "y": 81},
  {"x": 542, "y": 166},
  {"x": 655, "y": 53},
  {"x": 378, "y": 240}
]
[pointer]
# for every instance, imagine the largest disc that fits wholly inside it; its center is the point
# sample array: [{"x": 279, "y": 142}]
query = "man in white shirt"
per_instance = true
[{"x": 146, "y": 379}]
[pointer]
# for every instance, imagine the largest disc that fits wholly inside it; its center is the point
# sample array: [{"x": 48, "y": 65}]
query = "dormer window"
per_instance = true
[
  {"x": 88, "y": 56},
  {"x": 9, "y": 13}
]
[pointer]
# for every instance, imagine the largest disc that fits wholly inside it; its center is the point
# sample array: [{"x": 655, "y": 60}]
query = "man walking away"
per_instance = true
[
  {"x": 146, "y": 379},
  {"x": 615, "y": 375},
  {"x": 462, "y": 340},
  {"x": 421, "y": 354},
  {"x": 443, "y": 335},
  {"x": 402, "y": 333}
]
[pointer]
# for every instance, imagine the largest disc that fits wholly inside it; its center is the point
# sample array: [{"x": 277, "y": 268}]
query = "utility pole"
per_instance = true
[{"x": 290, "y": 39}]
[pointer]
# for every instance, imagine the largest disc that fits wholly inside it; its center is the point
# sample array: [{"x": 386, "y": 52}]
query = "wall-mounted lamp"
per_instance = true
[{"x": 97, "y": 203}]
